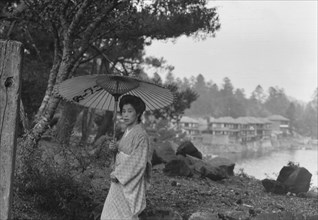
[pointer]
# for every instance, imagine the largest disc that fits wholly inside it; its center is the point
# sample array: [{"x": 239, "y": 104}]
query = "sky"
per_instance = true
[{"x": 267, "y": 43}]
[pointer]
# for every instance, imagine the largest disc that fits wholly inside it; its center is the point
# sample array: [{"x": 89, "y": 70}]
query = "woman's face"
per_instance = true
[{"x": 129, "y": 115}]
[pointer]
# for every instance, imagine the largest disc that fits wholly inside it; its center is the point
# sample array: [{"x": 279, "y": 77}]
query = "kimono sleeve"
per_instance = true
[{"x": 135, "y": 164}]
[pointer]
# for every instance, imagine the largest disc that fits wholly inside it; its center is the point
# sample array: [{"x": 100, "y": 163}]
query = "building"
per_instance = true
[
  {"x": 244, "y": 129},
  {"x": 279, "y": 124},
  {"x": 227, "y": 130},
  {"x": 191, "y": 127}
]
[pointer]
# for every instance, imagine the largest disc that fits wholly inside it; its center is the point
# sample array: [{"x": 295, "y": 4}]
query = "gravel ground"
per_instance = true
[{"x": 241, "y": 196}]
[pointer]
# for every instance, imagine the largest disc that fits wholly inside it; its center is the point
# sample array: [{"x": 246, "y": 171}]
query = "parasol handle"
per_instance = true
[
  {"x": 115, "y": 120},
  {"x": 115, "y": 116}
]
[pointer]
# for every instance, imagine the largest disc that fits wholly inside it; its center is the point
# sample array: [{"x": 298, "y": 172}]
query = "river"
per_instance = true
[{"x": 267, "y": 165}]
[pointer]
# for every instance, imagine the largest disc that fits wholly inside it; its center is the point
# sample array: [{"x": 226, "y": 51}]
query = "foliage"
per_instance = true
[
  {"x": 291, "y": 115},
  {"x": 184, "y": 96},
  {"x": 228, "y": 101},
  {"x": 276, "y": 102},
  {"x": 307, "y": 120},
  {"x": 67, "y": 38},
  {"x": 183, "y": 100},
  {"x": 57, "y": 181},
  {"x": 161, "y": 130},
  {"x": 243, "y": 174},
  {"x": 292, "y": 164}
]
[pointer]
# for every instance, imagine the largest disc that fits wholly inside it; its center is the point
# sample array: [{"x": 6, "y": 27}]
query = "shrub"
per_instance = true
[{"x": 59, "y": 190}]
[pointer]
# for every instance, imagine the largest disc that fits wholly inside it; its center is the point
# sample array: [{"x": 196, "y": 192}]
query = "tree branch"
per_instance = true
[
  {"x": 92, "y": 27},
  {"x": 24, "y": 118},
  {"x": 52, "y": 76},
  {"x": 78, "y": 16},
  {"x": 106, "y": 58}
]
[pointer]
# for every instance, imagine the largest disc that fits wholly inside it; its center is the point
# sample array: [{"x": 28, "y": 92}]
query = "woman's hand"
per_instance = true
[
  {"x": 113, "y": 146},
  {"x": 113, "y": 178}
]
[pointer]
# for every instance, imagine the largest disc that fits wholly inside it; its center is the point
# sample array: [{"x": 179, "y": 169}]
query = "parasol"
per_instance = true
[{"x": 104, "y": 91}]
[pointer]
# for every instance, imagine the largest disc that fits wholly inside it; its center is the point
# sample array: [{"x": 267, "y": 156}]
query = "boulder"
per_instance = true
[
  {"x": 187, "y": 148},
  {"x": 223, "y": 163},
  {"x": 177, "y": 167},
  {"x": 163, "y": 153},
  {"x": 274, "y": 186},
  {"x": 309, "y": 194},
  {"x": 296, "y": 179},
  {"x": 192, "y": 166},
  {"x": 312, "y": 193},
  {"x": 205, "y": 169}
]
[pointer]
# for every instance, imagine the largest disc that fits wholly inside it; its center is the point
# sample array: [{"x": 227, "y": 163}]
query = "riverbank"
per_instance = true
[
  {"x": 253, "y": 146},
  {"x": 239, "y": 197},
  {"x": 171, "y": 198},
  {"x": 230, "y": 150},
  {"x": 264, "y": 159}
]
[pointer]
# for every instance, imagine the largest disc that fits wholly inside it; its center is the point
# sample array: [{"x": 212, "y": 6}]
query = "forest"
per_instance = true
[{"x": 226, "y": 100}]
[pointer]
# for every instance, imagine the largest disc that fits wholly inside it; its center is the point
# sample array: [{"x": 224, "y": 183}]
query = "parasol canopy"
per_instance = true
[
  {"x": 101, "y": 91},
  {"x": 104, "y": 91}
]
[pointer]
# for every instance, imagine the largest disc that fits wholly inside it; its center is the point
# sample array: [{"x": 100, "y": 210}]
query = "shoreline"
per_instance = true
[
  {"x": 255, "y": 154},
  {"x": 238, "y": 197}
]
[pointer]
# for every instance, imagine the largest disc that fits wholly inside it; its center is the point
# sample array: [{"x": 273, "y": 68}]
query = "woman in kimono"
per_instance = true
[{"x": 126, "y": 198}]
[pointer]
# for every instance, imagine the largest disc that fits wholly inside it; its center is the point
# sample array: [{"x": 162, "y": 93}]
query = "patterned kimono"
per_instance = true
[{"x": 127, "y": 199}]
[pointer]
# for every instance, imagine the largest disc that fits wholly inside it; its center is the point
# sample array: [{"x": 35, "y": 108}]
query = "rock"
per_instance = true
[
  {"x": 205, "y": 169},
  {"x": 312, "y": 193},
  {"x": 174, "y": 183},
  {"x": 160, "y": 214},
  {"x": 203, "y": 216},
  {"x": 187, "y": 148},
  {"x": 274, "y": 186},
  {"x": 155, "y": 160},
  {"x": 163, "y": 153},
  {"x": 177, "y": 167},
  {"x": 223, "y": 163},
  {"x": 297, "y": 179},
  {"x": 309, "y": 194}
]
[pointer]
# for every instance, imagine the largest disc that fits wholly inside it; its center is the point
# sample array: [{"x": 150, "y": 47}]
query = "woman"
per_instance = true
[{"x": 126, "y": 198}]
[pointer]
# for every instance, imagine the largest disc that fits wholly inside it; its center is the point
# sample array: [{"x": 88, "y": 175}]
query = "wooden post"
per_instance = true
[{"x": 11, "y": 54}]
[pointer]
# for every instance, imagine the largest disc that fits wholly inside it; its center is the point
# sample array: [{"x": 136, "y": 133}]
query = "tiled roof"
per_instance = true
[
  {"x": 186, "y": 119},
  {"x": 277, "y": 118},
  {"x": 202, "y": 122},
  {"x": 241, "y": 120},
  {"x": 228, "y": 120}
]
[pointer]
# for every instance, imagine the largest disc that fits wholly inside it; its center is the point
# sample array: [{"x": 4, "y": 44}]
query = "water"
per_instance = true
[{"x": 268, "y": 165}]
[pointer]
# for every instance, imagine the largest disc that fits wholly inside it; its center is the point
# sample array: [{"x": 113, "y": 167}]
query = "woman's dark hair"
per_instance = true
[{"x": 136, "y": 102}]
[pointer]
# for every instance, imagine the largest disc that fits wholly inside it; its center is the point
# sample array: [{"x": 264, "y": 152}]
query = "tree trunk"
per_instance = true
[
  {"x": 66, "y": 122},
  {"x": 52, "y": 77},
  {"x": 30, "y": 142},
  {"x": 23, "y": 117},
  {"x": 105, "y": 126},
  {"x": 87, "y": 119}
]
